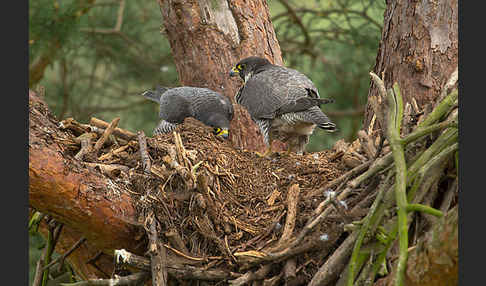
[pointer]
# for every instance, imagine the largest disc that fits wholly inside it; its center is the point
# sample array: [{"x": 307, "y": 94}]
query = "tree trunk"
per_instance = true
[
  {"x": 418, "y": 50},
  {"x": 208, "y": 37}
]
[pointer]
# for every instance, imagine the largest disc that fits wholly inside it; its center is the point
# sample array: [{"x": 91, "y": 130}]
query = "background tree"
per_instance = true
[{"x": 418, "y": 50}]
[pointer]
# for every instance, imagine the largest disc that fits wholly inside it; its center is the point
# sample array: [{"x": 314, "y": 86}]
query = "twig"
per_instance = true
[
  {"x": 367, "y": 222},
  {"x": 251, "y": 276},
  {"x": 35, "y": 221},
  {"x": 423, "y": 208},
  {"x": 158, "y": 253},
  {"x": 171, "y": 160},
  {"x": 130, "y": 280},
  {"x": 92, "y": 262},
  {"x": 142, "y": 141},
  {"x": 353, "y": 172},
  {"x": 116, "y": 151},
  {"x": 367, "y": 144},
  {"x": 52, "y": 238},
  {"x": 442, "y": 108},
  {"x": 111, "y": 170},
  {"x": 85, "y": 141},
  {"x": 289, "y": 271},
  {"x": 122, "y": 133},
  {"x": 292, "y": 201},
  {"x": 420, "y": 132},
  {"x": 176, "y": 241},
  {"x": 66, "y": 254},
  {"x": 106, "y": 134},
  {"x": 179, "y": 271},
  {"x": 334, "y": 264},
  {"x": 449, "y": 195},
  {"x": 375, "y": 167},
  {"x": 38, "y": 272}
]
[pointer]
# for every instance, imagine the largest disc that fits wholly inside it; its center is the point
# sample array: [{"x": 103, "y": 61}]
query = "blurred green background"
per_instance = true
[{"x": 93, "y": 69}]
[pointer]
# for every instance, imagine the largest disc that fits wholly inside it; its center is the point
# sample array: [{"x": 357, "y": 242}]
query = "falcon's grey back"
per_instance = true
[{"x": 203, "y": 104}]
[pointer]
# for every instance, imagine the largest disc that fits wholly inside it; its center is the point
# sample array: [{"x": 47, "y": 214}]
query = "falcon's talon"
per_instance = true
[{"x": 267, "y": 154}]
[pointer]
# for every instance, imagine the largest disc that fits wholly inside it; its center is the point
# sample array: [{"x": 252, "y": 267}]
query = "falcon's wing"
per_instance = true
[
  {"x": 277, "y": 91},
  {"x": 174, "y": 108}
]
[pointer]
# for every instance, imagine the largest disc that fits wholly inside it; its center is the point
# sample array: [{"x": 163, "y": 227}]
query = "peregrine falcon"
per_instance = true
[
  {"x": 203, "y": 104},
  {"x": 283, "y": 102}
]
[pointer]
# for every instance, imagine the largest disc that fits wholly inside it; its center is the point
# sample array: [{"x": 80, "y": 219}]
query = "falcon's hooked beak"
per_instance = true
[
  {"x": 234, "y": 72},
  {"x": 223, "y": 133}
]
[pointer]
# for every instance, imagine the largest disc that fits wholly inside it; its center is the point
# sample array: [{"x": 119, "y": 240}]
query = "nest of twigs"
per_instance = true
[{"x": 220, "y": 207}]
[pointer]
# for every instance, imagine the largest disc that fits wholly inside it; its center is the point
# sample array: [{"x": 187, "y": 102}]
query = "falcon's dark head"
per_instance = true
[{"x": 248, "y": 67}]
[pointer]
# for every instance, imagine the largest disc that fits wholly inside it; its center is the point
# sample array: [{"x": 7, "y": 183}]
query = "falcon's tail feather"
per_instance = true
[
  {"x": 328, "y": 126},
  {"x": 316, "y": 116},
  {"x": 164, "y": 127}
]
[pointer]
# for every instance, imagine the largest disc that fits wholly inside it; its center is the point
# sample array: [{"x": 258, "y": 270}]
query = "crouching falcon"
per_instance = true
[
  {"x": 211, "y": 108},
  {"x": 283, "y": 102}
]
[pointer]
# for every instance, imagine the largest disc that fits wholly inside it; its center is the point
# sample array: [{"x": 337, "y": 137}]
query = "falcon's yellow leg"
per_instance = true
[{"x": 267, "y": 152}]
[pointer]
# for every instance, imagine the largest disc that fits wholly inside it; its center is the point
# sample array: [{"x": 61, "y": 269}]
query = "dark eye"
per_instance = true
[
  {"x": 217, "y": 130},
  {"x": 240, "y": 66}
]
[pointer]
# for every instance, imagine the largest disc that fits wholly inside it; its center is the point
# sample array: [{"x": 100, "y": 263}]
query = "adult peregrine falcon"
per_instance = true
[
  {"x": 203, "y": 104},
  {"x": 283, "y": 102}
]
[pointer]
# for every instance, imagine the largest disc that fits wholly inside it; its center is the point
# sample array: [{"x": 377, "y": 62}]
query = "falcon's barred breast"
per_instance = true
[
  {"x": 176, "y": 104},
  {"x": 283, "y": 102}
]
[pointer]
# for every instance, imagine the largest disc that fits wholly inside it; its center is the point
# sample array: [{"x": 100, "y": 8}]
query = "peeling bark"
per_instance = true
[
  {"x": 208, "y": 37},
  {"x": 418, "y": 49},
  {"x": 82, "y": 199}
]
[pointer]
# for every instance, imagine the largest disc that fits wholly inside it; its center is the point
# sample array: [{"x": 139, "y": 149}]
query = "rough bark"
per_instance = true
[
  {"x": 83, "y": 199},
  {"x": 208, "y": 37},
  {"x": 418, "y": 49},
  {"x": 434, "y": 260}
]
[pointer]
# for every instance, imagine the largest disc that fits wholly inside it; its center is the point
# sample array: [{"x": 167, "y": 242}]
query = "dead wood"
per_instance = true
[
  {"x": 86, "y": 144},
  {"x": 130, "y": 280},
  {"x": 109, "y": 129},
  {"x": 122, "y": 133},
  {"x": 142, "y": 141},
  {"x": 157, "y": 251},
  {"x": 334, "y": 265}
]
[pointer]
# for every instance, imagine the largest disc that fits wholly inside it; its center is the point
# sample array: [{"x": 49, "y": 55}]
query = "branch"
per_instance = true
[
  {"x": 122, "y": 133},
  {"x": 142, "y": 142},
  {"x": 333, "y": 266},
  {"x": 66, "y": 254},
  {"x": 130, "y": 280},
  {"x": 395, "y": 114},
  {"x": 185, "y": 272},
  {"x": 116, "y": 29},
  {"x": 111, "y": 127}
]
